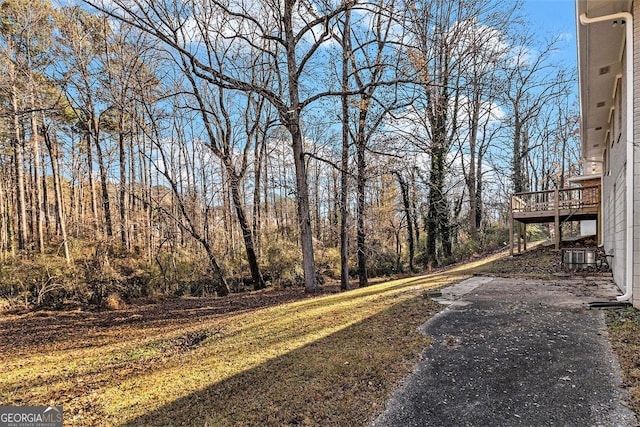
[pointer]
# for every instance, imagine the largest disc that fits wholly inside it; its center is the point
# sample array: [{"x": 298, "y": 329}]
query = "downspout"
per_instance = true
[{"x": 628, "y": 18}]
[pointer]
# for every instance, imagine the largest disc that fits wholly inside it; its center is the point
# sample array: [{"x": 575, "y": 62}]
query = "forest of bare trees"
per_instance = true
[{"x": 201, "y": 147}]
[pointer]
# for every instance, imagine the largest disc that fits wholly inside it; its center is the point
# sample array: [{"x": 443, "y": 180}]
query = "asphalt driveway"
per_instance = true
[{"x": 515, "y": 352}]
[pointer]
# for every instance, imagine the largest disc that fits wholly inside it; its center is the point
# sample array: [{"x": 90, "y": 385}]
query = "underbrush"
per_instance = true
[
  {"x": 103, "y": 274},
  {"x": 99, "y": 279}
]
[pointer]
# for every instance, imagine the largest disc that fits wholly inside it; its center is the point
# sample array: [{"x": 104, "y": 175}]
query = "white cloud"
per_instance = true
[{"x": 565, "y": 37}]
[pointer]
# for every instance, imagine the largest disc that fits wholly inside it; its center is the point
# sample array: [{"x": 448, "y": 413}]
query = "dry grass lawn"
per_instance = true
[{"x": 262, "y": 358}]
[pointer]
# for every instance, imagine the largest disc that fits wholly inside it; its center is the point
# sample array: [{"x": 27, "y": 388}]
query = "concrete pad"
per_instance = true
[
  {"x": 454, "y": 292},
  {"x": 515, "y": 352}
]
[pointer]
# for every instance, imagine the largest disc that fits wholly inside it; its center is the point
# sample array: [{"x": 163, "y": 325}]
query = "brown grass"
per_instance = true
[
  {"x": 624, "y": 332},
  {"x": 113, "y": 302},
  {"x": 261, "y": 358}
]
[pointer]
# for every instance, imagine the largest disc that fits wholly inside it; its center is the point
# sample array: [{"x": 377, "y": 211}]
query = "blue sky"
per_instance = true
[
  {"x": 552, "y": 14},
  {"x": 552, "y": 17}
]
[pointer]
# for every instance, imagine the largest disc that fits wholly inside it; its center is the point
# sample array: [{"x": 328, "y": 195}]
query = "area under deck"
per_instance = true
[{"x": 556, "y": 206}]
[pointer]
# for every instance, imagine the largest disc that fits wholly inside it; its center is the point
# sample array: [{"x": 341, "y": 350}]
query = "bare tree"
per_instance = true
[
  {"x": 52, "y": 148},
  {"x": 484, "y": 47},
  {"x": 25, "y": 34},
  {"x": 81, "y": 43},
  {"x": 287, "y": 34},
  {"x": 185, "y": 201},
  {"x": 531, "y": 82},
  {"x": 344, "y": 154},
  {"x": 409, "y": 215},
  {"x": 220, "y": 132},
  {"x": 437, "y": 28},
  {"x": 372, "y": 60}
]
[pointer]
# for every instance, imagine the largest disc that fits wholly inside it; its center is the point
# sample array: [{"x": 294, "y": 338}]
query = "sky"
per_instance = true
[{"x": 553, "y": 17}]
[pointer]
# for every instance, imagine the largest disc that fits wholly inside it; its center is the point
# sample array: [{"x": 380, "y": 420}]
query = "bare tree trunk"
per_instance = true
[
  {"x": 438, "y": 211},
  {"x": 316, "y": 200},
  {"x": 265, "y": 186},
  {"x": 344, "y": 215},
  {"x": 518, "y": 176},
  {"x": 414, "y": 207},
  {"x": 363, "y": 279},
  {"x": 256, "y": 225},
  {"x": 18, "y": 161},
  {"x": 124, "y": 239},
  {"x": 344, "y": 159},
  {"x": 292, "y": 123},
  {"x": 104, "y": 184},
  {"x": 17, "y": 147},
  {"x": 479, "y": 191},
  {"x": 226, "y": 207},
  {"x": 471, "y": 176},
  {"x": 49, "y": 222},
  {"x": 306, "y": 234},
  {"x": 53, "y": 155},
  {"x": 92, "y": 188},
  {"x": 404, "y": 191},
  {"x": 256, "y": 275},
  {"x": 37, "y": 184}
]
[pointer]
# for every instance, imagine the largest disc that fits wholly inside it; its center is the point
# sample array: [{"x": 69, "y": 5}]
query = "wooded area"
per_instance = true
[{"x": 202, "y": 146}]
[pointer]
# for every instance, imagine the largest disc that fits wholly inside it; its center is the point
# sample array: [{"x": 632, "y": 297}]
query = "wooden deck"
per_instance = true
[{"x": 557, "y": 206}]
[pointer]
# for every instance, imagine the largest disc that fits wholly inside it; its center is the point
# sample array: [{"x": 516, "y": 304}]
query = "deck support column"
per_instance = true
[
  {"x": 524, "y": 235},
  {"x": 599, "y": 219},
  {"x": 519, "y": 232},
  {"x": 556, "y": 204},
  {"x": 511, "y": 230}
]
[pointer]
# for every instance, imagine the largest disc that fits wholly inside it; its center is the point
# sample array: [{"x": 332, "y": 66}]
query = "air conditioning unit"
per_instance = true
[{"x": 579, "y": 258}]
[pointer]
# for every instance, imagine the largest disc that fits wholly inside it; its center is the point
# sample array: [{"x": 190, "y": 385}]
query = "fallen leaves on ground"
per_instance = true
[{"x": 261, "y": 358}]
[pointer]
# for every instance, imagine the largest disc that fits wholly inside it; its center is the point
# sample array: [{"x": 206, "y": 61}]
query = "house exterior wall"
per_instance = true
[
  {"x": 614, "y": 187},
  {"x": 618, "y": 222},
  {"x": 613, "y": 224},
  {"x": 616, "y": 204},
  {"x": 636, "y": 160},
  {"x": 607, "y": 214}
]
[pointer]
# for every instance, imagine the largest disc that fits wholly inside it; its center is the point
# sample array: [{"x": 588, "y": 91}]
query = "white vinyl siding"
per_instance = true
[
  {"x": 636, "y": 170},
  {"x": 614, "y": 188},
  {"x": 619, "y": 227}
]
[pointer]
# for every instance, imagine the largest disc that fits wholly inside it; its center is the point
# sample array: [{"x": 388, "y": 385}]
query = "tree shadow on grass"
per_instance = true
[
  {"x": 77, "y": 329},
  {"x": 342, "y": 379}
]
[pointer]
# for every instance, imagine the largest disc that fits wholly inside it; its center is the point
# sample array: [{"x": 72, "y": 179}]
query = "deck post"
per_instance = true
[
  {"x": 511, "y": 228},
  {"x": 553, "y": 206},
  {"x": 599, "y": 220},
  {"x": 556, "y": 202}
]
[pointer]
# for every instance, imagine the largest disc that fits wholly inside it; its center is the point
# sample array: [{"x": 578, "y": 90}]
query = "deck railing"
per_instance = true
[
  {"x": 552, "y": 206},
  {"x": 574, "y": 198}
]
